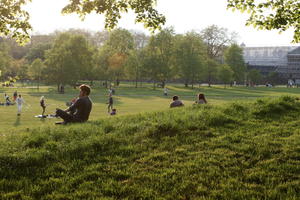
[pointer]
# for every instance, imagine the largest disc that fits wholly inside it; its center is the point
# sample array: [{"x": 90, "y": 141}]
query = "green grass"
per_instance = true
[
  {"x": 128, "y": 100},
  {"x": 237, "y": 150}
]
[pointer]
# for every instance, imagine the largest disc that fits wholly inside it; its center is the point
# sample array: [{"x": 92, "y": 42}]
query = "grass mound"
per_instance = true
[{"x": 235, "y": 151}]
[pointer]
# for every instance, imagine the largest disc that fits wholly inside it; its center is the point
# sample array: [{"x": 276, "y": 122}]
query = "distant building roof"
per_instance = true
[{"x": 295, "y": 51}]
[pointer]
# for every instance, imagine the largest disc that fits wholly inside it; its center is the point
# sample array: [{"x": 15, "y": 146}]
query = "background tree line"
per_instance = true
[{"x": 64, "y": 58}]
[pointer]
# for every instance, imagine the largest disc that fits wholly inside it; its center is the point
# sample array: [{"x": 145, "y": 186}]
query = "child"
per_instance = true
[
  {"x": 43, "y": 105},
  {"x": 165, "y": 91},
  {"x": 113, "y": 111},
  {"x": 20, "y": 101}
]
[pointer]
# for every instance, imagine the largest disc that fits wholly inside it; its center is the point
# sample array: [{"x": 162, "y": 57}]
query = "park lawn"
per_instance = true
[
  {"x": 128, "y": 100},
  {"x": 237, "y": 150}
]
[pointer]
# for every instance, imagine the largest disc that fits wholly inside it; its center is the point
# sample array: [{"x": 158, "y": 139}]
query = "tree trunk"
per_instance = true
[
  {"x": 154, "y": 86},
  {"x": 38, "y": 85},
  {"x": 136, "y": 82}
]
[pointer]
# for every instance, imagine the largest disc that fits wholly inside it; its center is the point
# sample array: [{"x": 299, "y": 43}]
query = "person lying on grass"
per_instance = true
[{"x": 80, "y": 110}]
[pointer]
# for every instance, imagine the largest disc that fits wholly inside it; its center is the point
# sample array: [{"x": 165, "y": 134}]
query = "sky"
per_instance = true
[{"x": 183, "y": 15}]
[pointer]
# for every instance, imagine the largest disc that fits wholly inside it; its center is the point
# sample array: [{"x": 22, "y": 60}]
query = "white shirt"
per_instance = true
[{"x": 19, "y": 101}]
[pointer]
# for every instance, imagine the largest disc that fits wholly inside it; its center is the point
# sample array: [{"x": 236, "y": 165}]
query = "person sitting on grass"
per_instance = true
[
  {"x": 7, "y": 100},
  {"x": 176, "y": 102},
  {"x": 81, "y": 108},
  {"x": 201, "y": 99}
]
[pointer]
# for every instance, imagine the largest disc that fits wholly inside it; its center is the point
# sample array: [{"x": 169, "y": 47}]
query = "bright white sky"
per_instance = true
[{"x": 183, "y": 15}]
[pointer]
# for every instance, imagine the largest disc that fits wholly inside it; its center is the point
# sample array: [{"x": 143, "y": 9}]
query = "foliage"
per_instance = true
[
  {"x": 38, "y": 51},
  {"x": 144, "y": 10},
  {"x": 254, "y": 76},
  {"x": 14, "y": 20},
  {"x": 267, "y": 14},
  {"x": 36, "y": 70},
  {"x": 189, "y": 56},
  {"x": 235, "y": 59},
  {"x": 158, "y": 60},
  {"x": 208, "y": 152},
  {"x": 5, "y": 60},
  {"x": 210, "y": 71},
  {"x": 216, "y": 40},
  {"x": 70, "y": 60},
  {"x": 225, "y": 74}
]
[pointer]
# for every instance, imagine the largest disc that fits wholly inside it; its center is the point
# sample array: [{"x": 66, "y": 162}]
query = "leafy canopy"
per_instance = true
[
  {"x": 271, "y": 14},
  {"x": 14, "y": 20}
]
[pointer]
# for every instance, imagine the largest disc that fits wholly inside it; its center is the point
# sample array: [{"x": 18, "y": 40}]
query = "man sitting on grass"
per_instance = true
[
  {"x": 81, "y": 109},
  {"x": 176, "y": 102}
]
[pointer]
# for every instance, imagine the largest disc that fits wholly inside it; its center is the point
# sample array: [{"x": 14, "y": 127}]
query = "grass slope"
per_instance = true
[{"x": 232, "y": 151}]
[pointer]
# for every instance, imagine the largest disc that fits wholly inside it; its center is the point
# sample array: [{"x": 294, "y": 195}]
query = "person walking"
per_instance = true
[
  {"x": 20, "y": 101},
  {"x": 43, "y": 105},
  {"x": 110, "y": 103}
]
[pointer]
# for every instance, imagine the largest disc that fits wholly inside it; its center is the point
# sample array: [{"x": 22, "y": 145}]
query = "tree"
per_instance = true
[
  {"x": 225, "y": 74},
  {"x": 144, "y": 10},
  {"x": 118, "y": 48},
  {"x": 189, "y": 56},
  {"x": 161, "y": 49},
  {"x": 5, "y": 61},
  {"x": 70, "y": 60},
  {"x": 35, "y": 70},
  {"x": 235, "y": 59},
  {"x": 134, "y": 67},
  {"x": 216, "y": 40},
  {"x": 38, "y": 51},
  {"x": 254, "y": 76},
  {"x": 14, "y": 20},
  {"x": 210, "y": 70},
  {"x": 267, "y": 14}
]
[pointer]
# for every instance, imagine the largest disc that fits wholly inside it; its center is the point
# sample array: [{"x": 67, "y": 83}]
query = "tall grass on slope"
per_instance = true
[{"x": 236, "y": 151}]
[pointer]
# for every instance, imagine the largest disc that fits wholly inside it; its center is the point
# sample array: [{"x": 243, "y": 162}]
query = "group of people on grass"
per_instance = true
[
  {"x": 17, "y": 99},
  {"x": 80, "y": 108}
]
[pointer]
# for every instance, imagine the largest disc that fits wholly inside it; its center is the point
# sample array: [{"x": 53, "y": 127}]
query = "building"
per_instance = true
[{"x": 283, "y": 60}]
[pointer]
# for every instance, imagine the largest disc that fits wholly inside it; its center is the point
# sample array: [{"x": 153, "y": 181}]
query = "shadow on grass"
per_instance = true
[{"x": 17, "y": 122}]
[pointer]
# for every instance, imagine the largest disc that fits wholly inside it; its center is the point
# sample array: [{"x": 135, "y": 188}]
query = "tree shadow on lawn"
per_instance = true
[{"x": 17, "y": 122}]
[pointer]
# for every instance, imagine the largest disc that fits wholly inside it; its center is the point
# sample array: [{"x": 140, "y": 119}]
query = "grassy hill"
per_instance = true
[{"x": 232, "y": 151}]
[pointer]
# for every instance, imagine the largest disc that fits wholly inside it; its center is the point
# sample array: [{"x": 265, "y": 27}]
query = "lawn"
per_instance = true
[
  {"x": 235, "y": 150},
  {"x": 128, "y": 100}
]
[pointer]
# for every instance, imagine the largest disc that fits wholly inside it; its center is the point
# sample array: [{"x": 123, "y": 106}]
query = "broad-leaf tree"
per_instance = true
[
  {"x": 225, "y": 74},
  {"x": 216, "y": 40},
  {"x": 161, "y": 49},
  {"x": 271, "y": 14},
  {"x": 36, "y": 70},
  {"x": 254, "y": 77},
  {"x": 189, "y": 56},
  {"x": 235, "y": 59},
  {"x": 70, "y": 60},
  {"x": 14, "y": 20}
]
